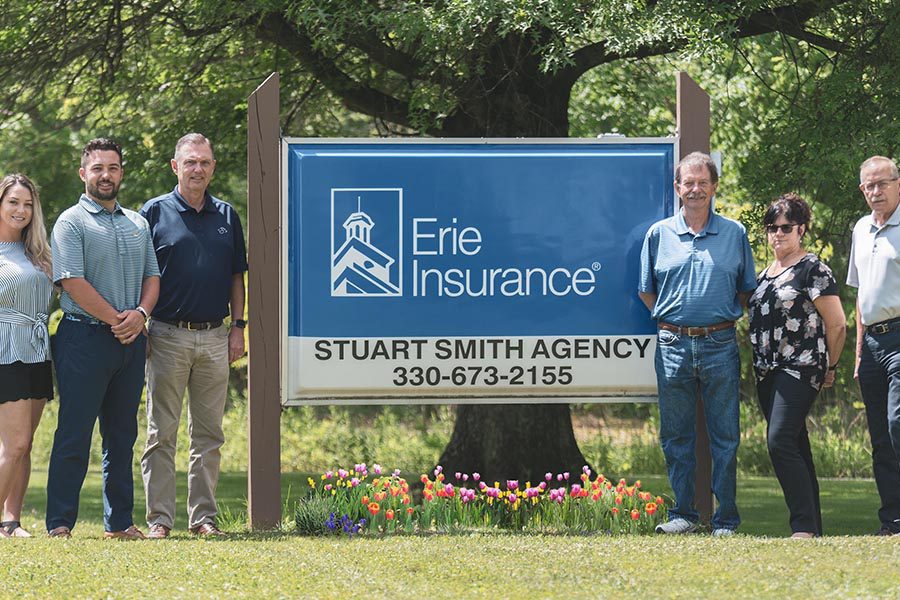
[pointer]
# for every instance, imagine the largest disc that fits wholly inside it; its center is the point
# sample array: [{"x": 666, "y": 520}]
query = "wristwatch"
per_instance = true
[
  {"x": 143, "y": 311},
  {"x": 239, "y": 323}
]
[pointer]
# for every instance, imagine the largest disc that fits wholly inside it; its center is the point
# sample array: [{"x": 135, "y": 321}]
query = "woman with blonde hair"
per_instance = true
[{"x": 26, "y": 382}]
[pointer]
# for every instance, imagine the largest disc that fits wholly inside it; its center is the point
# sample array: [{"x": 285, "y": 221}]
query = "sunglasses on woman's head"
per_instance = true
[{"x": 787, "y": 228}]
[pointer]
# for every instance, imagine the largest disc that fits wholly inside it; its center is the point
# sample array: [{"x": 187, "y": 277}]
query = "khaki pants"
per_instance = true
[{"x": 198, "y": 362}]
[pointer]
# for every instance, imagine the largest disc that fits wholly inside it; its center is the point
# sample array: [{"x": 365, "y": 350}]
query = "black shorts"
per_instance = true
[{"x": 26, "y": 380}]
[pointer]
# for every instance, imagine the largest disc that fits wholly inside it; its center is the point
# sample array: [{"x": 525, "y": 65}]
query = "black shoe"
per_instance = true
[{"x": 886, "y": 531}]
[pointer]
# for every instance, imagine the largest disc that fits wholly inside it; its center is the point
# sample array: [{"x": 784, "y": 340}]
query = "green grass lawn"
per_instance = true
[{"x": 758, "y": 563}]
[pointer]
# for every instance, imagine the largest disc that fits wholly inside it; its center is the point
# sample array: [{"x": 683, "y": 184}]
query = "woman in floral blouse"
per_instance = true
[{"x": 797, "y": 329}]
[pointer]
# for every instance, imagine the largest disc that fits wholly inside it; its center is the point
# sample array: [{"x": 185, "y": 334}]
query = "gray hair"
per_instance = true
[
  {"x": 874, "y": 160},
  {"x": 193, "y": 138},
  {"x": 697, "y": 159}
]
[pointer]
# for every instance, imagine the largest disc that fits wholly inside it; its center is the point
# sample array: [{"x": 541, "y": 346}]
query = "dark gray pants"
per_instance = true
[
  {"x": 785, "y": 402},
  {"x": 879, "y": 382}
]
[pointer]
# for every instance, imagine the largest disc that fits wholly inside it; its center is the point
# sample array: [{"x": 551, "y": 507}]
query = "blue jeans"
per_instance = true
[
  {"x": 688, "y": 368},
  {"x": 97, "y": 377},
  {"x": 879, "y": 382}
]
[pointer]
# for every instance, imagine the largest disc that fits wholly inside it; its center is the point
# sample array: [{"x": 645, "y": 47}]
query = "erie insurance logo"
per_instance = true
[{"x": 366, "y": 242}]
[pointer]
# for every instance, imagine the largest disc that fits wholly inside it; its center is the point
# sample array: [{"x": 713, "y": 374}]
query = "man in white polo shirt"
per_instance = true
[{"x": 875, "y": 270}]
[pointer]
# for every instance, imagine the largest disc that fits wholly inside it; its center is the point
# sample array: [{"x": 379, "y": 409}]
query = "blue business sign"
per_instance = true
[{"x": 486, "y": 270}]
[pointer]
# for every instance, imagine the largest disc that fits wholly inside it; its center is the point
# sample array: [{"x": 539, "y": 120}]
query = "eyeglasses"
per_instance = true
[
  {"x": 874, "y": 185},
  {"x": 786, "y": 228}
]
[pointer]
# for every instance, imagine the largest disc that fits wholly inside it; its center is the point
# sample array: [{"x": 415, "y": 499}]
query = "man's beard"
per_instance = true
[{"x": 96, "y": 193}]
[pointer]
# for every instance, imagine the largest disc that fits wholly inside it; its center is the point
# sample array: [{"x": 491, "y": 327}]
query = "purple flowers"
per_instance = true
[{"x": 345, "y": 524}]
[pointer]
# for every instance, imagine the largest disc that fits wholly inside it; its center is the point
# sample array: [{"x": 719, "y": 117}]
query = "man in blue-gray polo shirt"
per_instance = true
[
  {"x": 200, "y": 247},
  {"x": 103, "y": 258},
  {"x": 696, "y": 275},
  {"x": 875, "y": 270}
]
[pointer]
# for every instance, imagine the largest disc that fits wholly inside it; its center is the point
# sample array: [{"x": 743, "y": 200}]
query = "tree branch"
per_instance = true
[
  {"x": 274, "y": 28},
  {"x": 788, "y": 19}
]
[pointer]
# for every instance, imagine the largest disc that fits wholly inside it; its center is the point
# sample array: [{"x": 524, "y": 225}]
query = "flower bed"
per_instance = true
[{"x": 359, "y": 501}]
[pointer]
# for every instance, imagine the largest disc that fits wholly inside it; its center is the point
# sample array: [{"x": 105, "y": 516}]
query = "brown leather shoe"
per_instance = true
[
  {"x": 132, "y": 533},
  {"x": 158, "y": 532},
  {"x": 207, "y": 530},
  {"x": 60, "y": 532}
]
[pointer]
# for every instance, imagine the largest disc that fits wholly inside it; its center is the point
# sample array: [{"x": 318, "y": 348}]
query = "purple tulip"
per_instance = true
[
  {"x": 476, "y": 476},
  {"x": 354, "y": 482},
  {"x": 548, "y": 476},
  {"x": 512, "y": 484},
  {"x": 458, "y": 475},
  {"x": 376, "y": 468},
  {"x": 465, "y": 477},
  {"x": 566, "y": 475}
]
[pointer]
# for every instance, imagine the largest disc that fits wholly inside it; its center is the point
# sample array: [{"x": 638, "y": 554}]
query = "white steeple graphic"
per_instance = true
[{"x": 359, "y": 225}]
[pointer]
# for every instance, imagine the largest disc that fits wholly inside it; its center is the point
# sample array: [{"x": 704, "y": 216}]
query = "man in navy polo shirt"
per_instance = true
[
  {"x": 104, "y": 261},
  {"x": 200, "y": 248},
  {"x": 696, "y": 275}
]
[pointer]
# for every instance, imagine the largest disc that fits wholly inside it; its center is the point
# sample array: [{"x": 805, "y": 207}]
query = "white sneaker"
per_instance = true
[
  {"x": 722, "y": 532},
  {"x": 677, "y": 525}
]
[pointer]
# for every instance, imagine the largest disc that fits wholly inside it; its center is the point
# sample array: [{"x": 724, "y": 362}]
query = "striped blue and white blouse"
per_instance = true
[{"x": 24, "y": 303}]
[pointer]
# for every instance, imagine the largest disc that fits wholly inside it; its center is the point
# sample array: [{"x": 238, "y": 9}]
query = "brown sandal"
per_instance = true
[{"x": 60, "y": 532}]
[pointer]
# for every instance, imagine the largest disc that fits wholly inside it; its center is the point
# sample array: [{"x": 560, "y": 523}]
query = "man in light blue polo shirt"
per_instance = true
[
  {"x": 875, "y": 270},
  {"x": 696, "y": 275},
  {"x": 104, "y": 260}
]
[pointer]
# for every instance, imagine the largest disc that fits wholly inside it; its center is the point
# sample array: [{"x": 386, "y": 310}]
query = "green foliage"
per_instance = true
[
  {"x": 311, "y": 513},
  {"x": 318, "y": 438}
]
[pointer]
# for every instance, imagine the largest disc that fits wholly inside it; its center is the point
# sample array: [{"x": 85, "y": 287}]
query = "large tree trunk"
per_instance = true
[{"x": 513, "y": 441}]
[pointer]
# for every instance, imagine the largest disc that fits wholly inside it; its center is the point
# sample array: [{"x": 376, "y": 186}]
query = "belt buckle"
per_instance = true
[
  {"x": 192, "y": 327},
  {"x": 881, "y": 328},
  {"x": 695, "y": 331}
]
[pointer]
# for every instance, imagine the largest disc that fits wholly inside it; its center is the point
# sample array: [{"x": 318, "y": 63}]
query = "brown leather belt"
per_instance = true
[
  {"x": 696, "y": 331},
  {"x": 884, "y": 326},
  {"x": 193, "y": 325}
]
